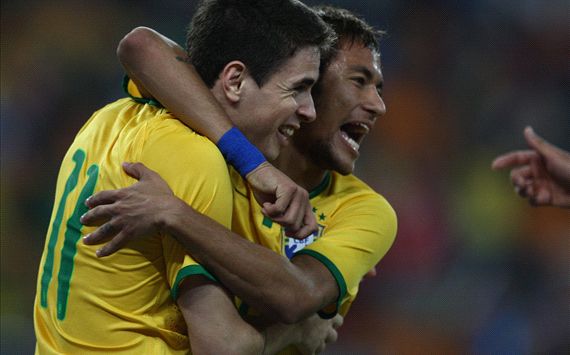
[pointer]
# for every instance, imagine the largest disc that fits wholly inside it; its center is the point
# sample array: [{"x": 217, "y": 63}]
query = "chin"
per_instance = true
[
  {"x": 344, "y": 169},
  {"x": 340, "y": 166},
  {"x": 341, "y": 163}
]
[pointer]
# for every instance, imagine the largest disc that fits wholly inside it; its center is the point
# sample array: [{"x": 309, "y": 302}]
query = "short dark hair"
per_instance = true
[
  {"x": 262, "y": 34},
  {"x": 349, "y": 29}
]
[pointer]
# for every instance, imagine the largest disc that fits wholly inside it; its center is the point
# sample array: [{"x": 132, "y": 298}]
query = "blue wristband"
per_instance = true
[{"x": 239, "y": 152}]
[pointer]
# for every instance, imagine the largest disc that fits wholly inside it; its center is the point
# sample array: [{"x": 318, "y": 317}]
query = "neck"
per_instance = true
[{"x": 299, "y": 168}]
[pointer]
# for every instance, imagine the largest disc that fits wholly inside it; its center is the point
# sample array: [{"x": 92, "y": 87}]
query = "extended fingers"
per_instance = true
[
  {"x": 522, "y": 176},
  {"x": 102, "y": 198},
  {"x": 101, "y": 234},
  {"x": 113, "y": 245},
  {"x": 541, "y": 197},
  {"x": 97, "y": 215},
  {"x": 538, "y": 143},
  {"x": 515, "y": 158}
]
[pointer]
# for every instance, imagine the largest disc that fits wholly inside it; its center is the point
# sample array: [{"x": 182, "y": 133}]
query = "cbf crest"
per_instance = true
[{"x": 292, "y": 245}]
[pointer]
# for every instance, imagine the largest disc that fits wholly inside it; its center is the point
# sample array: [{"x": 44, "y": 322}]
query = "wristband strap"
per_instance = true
[{"x": 239, "y": 152}]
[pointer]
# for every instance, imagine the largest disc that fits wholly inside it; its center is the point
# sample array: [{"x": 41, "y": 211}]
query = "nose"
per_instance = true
[
  {"x": 306, "y": 110},
  {"x": 375, "y": 103}
]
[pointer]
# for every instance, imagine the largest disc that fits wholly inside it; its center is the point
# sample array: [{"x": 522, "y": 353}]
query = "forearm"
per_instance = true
[
  {"x": 279, "y": 336},
  {"x": 214, "y": 325},
  {"x": 265, "y": 280},
  {"x": 160, "y": 66}
]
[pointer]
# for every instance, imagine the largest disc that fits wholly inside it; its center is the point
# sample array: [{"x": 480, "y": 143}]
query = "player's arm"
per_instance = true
[
  {"x": 309, "y": 336},
  {"x": 214, "y": 325},
  {"x": 143, "y": 47},
  {"x": 160, "y": 68},
  {"x": 280, "y": 289}
]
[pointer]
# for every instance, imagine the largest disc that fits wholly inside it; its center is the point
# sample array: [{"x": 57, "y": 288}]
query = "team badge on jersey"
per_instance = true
[{"x": 292, "y": 245}]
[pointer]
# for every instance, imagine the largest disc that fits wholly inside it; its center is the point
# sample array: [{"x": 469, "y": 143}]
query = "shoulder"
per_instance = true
[
  {"x": 355, "y": 192},
  {"x": 180, "y": 142},
  {"x": 191, "y": 164}
]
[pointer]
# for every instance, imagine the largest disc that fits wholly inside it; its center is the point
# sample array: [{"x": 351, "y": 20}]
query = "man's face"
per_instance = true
[
  {"x": 348, "y": 105},
  {"x": 272, "y": 113}
]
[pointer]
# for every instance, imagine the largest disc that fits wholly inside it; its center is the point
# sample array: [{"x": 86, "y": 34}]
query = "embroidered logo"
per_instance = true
[{"x": 292, "y": 245}]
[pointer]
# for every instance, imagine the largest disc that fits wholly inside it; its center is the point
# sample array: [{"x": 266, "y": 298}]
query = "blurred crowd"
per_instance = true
[{"x": 474, "y": 269}]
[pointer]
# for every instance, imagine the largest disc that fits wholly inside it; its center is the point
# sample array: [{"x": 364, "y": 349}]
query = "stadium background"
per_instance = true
[{"x": 473, "y": 270}]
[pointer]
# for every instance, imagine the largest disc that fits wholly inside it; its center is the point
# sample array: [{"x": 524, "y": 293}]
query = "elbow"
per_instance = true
[{"x": 133, "y": 44}]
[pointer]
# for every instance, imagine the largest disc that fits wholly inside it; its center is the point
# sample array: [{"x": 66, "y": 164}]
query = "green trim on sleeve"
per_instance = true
[
  {"x": 337, "y": 276},
  {"x": 140, "y": 100},
  {"x": 186, "y": 271},
  {"x": 322, "y": 186}
]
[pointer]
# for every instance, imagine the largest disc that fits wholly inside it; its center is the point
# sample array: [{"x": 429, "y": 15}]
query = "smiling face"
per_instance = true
[
  {"x": 348, "y": 103},
  {"x": 269, "y": 115}
]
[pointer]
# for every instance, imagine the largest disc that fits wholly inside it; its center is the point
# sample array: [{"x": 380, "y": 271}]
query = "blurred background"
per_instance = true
[{"x": 474, "y": 269}]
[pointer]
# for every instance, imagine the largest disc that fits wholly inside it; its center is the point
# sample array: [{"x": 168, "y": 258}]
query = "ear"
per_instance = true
[{"x": 233, "y": 79}]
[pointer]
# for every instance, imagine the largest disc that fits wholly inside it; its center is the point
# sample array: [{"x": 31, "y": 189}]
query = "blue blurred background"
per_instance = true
[{"x": 474, "y": 269}]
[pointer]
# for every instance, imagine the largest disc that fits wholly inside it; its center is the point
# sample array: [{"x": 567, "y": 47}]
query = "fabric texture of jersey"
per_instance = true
[
  {"x": 124, "y": 303},
  {"x": 357, "y": 226}
]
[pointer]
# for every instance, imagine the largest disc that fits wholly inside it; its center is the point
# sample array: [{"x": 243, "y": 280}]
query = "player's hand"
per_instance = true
[
  {"x": 542, "y": 174},
  {"x": 283, "y": 201},
  {"x": 132, "y": 212},
  {"x": 317, "y": 333}
]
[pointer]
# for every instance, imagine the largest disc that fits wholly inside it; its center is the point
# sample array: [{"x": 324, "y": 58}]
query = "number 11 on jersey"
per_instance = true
[{"x": 71, "y": 236}]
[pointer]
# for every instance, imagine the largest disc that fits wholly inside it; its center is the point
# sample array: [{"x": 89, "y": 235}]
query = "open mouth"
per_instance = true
[
  {"x": 353, "y": 133},
  {"x": 287, "y": 131}
]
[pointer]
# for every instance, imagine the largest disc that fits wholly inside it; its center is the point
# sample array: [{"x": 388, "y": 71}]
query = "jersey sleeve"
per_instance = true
[
  {"x": 358, "y": 236},
  {"x": 197, "y": 173}
]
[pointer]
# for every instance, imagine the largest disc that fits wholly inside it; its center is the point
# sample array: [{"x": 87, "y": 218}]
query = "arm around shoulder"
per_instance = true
[{"x": 161, "y": 69}]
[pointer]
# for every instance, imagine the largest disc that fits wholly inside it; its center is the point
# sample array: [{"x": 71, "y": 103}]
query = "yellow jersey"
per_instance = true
[
  {"x": 124, "y": 303},
  {"x": 357, "y": 226}
]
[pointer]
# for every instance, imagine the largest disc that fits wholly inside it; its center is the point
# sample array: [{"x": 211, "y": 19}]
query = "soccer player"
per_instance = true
[
  {"x": 540, "y": 174},
  {"x": 152, "y": 298},
  {"x": 277, "y": 276}
]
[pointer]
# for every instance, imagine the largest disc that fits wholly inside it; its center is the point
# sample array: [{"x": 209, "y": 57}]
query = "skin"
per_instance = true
[
  {"x": 540, "y": 174},
  {"x": 281, "y": 104},
  {"x": 237, "y": 93},
  {"x": 304, "y": 284},
  {"x": 285, "y": 101},
  {"x": 350, "y": 94},
  {"x": 282, "y": 200}
]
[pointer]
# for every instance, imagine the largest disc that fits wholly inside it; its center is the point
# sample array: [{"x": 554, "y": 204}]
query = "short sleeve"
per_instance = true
[{"x": 358, "y": 236}]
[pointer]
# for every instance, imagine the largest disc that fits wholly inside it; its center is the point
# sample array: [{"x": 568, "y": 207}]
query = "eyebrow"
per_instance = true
[
  {"x": 363, "y": 70},
  {"x": 367, "y": 73},
  {"x": 304, "y": 82}
]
